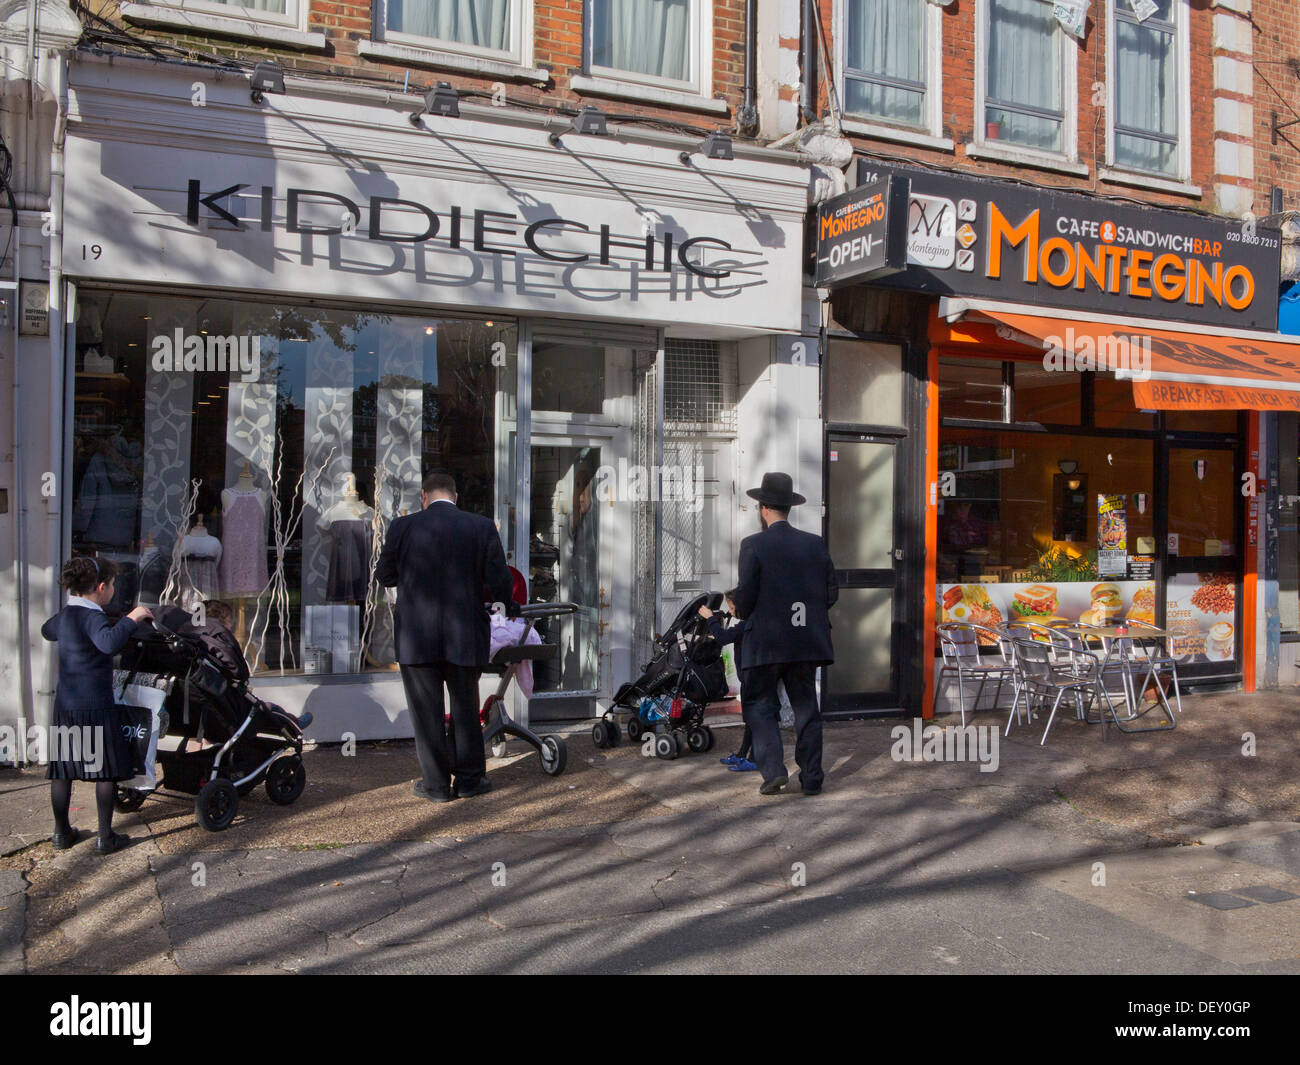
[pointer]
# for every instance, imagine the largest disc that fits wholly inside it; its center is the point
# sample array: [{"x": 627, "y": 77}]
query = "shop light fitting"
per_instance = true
[
  {"x": 717, "y": 145},
  {"x": 589, "y": 121},
  {"x": 1068, "y": 466},
  {"x": 1073, "y": 484},
  {"x": 266, "y": 77},
  {"x": 442, "y": 100}
]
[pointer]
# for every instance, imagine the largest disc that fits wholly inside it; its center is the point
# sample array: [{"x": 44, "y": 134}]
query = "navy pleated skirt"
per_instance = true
[{"x": 101, "y": 750}]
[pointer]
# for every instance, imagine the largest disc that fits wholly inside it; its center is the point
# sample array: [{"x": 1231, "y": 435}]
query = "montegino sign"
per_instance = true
[
  {"x": 977, "y": 237},
  {"x": 862, "y": 233}
]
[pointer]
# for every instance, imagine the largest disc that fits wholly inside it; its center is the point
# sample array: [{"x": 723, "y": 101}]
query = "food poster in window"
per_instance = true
[
  {"x": 1057, "y": 603},
  {"x": 1202, "y": 609},
  {"x": 1112, "y": 536}
]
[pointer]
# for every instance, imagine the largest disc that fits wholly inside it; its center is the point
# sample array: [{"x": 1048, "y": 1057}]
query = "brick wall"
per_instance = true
[
  {"x": 959, "y": 119},
  {"x": 1277, "y": 90},
  {"x": 557, "y": 48}
]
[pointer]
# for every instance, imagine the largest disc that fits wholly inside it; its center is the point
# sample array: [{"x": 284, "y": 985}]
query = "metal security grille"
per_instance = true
[
  {"x": 644, "y": 545},
  {"x": 700, "y": 378}
]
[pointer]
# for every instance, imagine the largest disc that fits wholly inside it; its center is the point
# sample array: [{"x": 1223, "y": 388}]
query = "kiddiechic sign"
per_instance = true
[{"x": 979, "y": 237}]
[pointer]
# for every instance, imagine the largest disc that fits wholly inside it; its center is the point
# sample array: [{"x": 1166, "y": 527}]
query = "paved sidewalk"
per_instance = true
[{"x": 1088, "y": 854}]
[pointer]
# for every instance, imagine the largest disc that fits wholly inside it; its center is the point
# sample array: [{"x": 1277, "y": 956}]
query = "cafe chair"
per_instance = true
[
  {"x": 1052, "y": 672},
  {"x": 959, "y": 643},
  {"x": 1164, "y": 658}
]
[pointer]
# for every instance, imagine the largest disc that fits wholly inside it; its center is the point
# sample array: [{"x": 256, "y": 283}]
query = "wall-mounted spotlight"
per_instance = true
[
  {"x": 442, "y": 99},
  {"x": 589, "y": 121},
  {"x": 266, "y": 77},
  {"x": 717, "y": 145}
]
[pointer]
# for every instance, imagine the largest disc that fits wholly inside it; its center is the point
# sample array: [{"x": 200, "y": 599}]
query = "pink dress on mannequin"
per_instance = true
[{"x": 243, "y": 537}]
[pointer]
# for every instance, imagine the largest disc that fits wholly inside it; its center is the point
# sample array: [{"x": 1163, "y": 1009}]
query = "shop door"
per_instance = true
[
  {"x": 1203, "y": 556},
  {"x": 864, "y": 477}
]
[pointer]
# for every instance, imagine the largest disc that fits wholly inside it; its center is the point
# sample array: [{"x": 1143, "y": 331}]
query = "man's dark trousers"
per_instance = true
[
  {"x": 441, "y": 755},
  {"x": 761, "y": 708}
]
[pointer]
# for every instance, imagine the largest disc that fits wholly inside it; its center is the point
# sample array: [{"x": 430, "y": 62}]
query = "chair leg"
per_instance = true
[
  {"x": 1015, "y": 713},
  {"x": 1051, "y": 717},
  {"x": 961, "y": 697}
]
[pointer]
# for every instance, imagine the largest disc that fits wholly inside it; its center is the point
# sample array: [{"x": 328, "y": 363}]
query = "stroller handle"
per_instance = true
[{"x": 547, "y": 610}]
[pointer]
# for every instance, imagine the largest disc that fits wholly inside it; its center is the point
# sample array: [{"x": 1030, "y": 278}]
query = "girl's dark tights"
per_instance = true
[{"x": 61, "y": 799}]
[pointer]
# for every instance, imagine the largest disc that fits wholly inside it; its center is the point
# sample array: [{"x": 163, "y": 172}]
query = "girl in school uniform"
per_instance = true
[{"x": 84, "y": 698}]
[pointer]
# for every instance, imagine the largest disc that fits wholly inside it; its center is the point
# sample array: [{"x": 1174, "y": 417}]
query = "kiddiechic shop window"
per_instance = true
[
  {"x": 1025, "y": 101},
  {"x": 657, "y": 42},
  {"x": 1147, "y": 86},
  {"x": 490, "y": 27},
  {"x": 885, "y": 64},
  {"x": 250, "y": 457}
]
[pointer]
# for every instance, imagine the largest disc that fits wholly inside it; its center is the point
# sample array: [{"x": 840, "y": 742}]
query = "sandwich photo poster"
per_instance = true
[
  {"x": 1070, "y": 602},
  {"x": 1202, "y": 609}
]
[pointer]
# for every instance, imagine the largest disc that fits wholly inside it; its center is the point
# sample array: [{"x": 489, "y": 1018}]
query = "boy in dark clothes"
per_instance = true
[{"x": 739, "y": 761}]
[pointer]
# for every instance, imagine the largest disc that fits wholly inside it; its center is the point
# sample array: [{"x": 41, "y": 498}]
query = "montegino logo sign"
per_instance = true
[
  {"x": 969, "y": 236},
  {"x": 1120, "y": 259},
  {"x": 860, "y": 234}
]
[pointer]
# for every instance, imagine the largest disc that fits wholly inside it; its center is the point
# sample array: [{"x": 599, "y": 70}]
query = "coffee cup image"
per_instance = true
[{"x": 1219, "y": 644}]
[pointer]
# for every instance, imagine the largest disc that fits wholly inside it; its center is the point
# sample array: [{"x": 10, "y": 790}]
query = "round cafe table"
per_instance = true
[{"x": 1118, "y": 642}]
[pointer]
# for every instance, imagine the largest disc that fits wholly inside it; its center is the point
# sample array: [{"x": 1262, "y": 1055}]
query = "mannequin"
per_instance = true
[
  {"x": 201, "y": 552},
  {"x": 347, "y": 524},
  {"x": 243, "y": 566}
]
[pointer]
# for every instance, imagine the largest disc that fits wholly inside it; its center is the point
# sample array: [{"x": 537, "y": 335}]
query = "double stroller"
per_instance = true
[
  {"x": 222, "y": 740},
  {"x": 675, "y": 688}
]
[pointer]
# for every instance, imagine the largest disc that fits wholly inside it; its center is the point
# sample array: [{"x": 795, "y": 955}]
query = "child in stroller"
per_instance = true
[
  {"x": 684, "y": 675},
  {"x": 738, "y": 761},
  {"x": 223, "y": 740}
]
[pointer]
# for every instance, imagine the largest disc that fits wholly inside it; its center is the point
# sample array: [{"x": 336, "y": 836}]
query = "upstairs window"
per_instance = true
[
  {"x": 656, "y": 42},
  {"x": 884, "y": 59},
  {"x": 490, "y": 28},
  {"x": 1025, "y": 100},
  {"x": 1146, "y": 89}
]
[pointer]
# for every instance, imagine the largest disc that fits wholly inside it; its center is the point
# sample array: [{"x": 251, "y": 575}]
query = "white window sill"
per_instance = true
[
  {"x": 1026, "y": 157},
  {"x": 467, "y": 64},
  {"x": 646, "y": 94},
  {"x": 891, "y": 133},
  {"x": 179, "y": 18},
  {"x": 1148, "y": 181}
]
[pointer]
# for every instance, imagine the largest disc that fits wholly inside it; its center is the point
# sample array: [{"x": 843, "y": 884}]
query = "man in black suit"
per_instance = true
[
  {"x": 787, "y": 586},
  {"x": 441, "y": 560}
]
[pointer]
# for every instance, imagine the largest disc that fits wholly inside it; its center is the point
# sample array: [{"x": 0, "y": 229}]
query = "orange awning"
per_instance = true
[{"x": 1171, "y": 369}]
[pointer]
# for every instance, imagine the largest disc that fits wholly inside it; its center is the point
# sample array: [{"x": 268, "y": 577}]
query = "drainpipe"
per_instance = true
[
  {"x": 747, "y": 118},
  {"x": 808, "y": 49}
]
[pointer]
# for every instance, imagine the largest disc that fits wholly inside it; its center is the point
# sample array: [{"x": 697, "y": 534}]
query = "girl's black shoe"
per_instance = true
[{"x": 115, "y": 841}]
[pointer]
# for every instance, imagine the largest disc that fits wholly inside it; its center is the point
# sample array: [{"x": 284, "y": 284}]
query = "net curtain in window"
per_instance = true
[
  {"x": 1146, "y": 91},
  {"x": 276, "y": 7},
  {"x": 642, "y": 36},
  {"x": 481, "y": 23},
  {"x": 1024, "y": 67},
  {"x": 886, "y": 38}
]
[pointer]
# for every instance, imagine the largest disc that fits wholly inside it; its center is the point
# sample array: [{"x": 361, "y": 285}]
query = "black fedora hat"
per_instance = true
[{"x": 777, "y": 490}]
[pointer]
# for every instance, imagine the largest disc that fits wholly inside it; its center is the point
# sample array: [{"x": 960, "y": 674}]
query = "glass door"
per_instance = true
[
  {"x": 863, "y": 475},
  {"x": 1204, "y": 553}
]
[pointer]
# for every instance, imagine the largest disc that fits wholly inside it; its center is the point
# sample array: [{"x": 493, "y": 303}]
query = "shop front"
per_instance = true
[
  {"x": 283, "y": 315},
  {"x": 1092, "y": 377}
]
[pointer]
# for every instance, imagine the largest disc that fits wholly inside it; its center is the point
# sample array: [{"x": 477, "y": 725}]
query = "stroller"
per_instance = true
[
  {"x": 674, "y": 689},
  {"x": 248, "y": 741}
]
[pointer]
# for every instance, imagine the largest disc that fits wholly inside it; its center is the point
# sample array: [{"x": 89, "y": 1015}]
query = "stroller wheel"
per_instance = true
[
  {"x": 128, "y": 799},
  {"x": 666, "y": 746},
  {"x": 285, "y": 780},
  {"x": 600, "y": 735},
  {"x": 499, "y": 747},
  {"x": 697, "y": 739},
  {"x": 553, "y": 754},
  {"x": 216, "y": 805},
  {"x": 709, "y": 733},
  {"x": 635, "y": 730}
]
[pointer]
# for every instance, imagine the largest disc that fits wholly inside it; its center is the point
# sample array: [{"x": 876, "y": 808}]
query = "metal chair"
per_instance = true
[
  {"x": 959, "y": 642},
  {"x": 1050, "y": 672},
  {"x": 1164, "y": 659}
]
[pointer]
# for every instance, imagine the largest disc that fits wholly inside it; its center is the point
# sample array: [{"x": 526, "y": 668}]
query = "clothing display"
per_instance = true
[
  {"x": 106, "y": 507},
  {"x": 243, "y": 528},
  {"x": 200, "y": 552},
  {"x": 349, "y": 570}
]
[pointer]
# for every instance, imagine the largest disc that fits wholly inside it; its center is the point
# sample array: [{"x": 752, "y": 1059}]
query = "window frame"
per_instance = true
[
  {"x": 294, "y": 17},
  {"x": 521, "y": 33},
  {"x": 1069, "y": 152},
  {"x": 1182, "y": 72},
  {"x": 701, "y": 56},
  {"x": 931, "y": 124}
]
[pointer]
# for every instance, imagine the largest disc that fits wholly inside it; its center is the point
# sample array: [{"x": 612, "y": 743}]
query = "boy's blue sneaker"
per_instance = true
[
  {"x": 744, "y": 765},
  {"x": 730, "y": 760}
]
